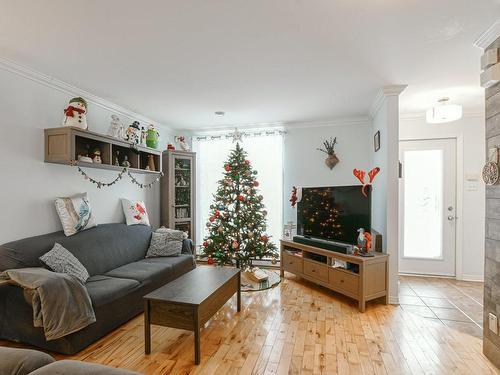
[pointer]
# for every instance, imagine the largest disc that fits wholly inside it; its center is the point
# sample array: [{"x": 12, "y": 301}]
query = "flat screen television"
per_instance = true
[{"x": 334, "y": 213}]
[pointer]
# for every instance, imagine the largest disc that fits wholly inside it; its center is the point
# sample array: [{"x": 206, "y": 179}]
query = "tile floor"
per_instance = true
[{"x": 456, "y": 304}]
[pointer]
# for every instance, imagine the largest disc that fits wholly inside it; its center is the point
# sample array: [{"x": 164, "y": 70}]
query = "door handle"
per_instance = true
[{"x": 451, "y": 218}]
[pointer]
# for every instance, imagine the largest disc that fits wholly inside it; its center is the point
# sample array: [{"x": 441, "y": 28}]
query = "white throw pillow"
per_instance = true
[
  {"x": 75, "y": 213},
  {"x": 135, "y": 212}
]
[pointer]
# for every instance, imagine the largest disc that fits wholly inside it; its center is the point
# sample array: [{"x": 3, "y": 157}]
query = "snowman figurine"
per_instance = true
[
  {"x": 76, "y": 113},
  {"x": 115, "y": 127}
]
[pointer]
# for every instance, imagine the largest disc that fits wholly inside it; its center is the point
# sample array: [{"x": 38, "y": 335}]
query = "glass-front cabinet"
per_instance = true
[{"x": 178, "y": 192}]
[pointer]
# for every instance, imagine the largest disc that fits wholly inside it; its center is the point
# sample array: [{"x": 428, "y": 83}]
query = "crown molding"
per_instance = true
[
  {"x": 383, "y": 94},
  {"x": 348, "y": 121},
  {"x": 351, "y": 121},
  {"x": 414, "y": 116},
  {"x": 489, "y": 36},
  {"x": 56, "y": 84}
]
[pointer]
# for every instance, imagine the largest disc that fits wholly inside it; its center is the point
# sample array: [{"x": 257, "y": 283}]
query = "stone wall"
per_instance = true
[{"x": 491, "y": 342}]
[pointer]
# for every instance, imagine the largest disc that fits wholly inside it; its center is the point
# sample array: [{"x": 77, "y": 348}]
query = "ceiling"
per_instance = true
[{"x": 260, "y": 61}]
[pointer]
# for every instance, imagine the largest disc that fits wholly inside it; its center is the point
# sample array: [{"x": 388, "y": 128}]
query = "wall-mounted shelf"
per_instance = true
[{"x": 63, "y": 145}]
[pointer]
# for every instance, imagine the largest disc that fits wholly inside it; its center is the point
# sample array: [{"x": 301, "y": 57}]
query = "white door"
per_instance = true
[{"x": 427, "y": 207}]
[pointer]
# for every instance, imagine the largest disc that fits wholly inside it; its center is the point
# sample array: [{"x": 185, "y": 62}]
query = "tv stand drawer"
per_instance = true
[
  {"x": 344, "y": 281},
  {"x": 292, "y": 263},
  {"x": 316, "y": 270}
]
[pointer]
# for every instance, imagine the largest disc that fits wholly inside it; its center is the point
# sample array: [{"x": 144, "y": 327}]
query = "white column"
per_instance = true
[{"x": 385, "y": 118}]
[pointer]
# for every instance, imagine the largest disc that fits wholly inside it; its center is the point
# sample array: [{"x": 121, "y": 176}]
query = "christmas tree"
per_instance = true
[{"x": 237, "y": 223}]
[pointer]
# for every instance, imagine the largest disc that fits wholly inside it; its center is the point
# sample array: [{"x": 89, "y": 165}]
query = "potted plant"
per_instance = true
[{"x": 329, "y": 149}]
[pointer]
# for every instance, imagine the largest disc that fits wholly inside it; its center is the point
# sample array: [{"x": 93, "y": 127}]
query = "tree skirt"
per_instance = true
[{"x": 249, "y": 285}]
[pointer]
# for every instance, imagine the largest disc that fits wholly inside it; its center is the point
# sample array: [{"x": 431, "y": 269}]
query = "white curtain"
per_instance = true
[{"x": 266, "y": 156}]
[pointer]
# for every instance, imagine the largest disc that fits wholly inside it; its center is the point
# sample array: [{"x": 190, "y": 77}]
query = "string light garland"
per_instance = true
[
  {"x": 239, "y": 135},
  {"x": 101, "y": 184},
  {"x": 142, "y": 186}
]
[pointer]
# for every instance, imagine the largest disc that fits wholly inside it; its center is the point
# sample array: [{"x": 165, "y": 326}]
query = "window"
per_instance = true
[
  {"x": 423, "y": 204},
  {"x": 266, "y": 155}
]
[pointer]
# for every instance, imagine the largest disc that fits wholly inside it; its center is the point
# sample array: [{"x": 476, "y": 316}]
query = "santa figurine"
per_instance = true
[{"x": 76, "y": 113}]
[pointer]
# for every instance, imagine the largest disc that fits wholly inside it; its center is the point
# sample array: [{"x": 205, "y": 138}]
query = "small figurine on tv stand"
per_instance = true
[{"x": 364, "y": 244}]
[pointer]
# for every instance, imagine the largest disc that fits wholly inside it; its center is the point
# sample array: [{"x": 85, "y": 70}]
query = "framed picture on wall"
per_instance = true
[{"x": 376, "y": 141}]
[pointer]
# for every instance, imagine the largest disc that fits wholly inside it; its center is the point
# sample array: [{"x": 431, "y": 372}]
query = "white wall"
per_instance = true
[
  {"x": 470, "y": 130},
  {"x": 304, "y": 166},
  {"x": 28, "y": 186}
]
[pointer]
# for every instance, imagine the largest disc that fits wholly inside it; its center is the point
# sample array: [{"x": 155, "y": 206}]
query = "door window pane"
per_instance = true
[{"x": 423, "y": 204}]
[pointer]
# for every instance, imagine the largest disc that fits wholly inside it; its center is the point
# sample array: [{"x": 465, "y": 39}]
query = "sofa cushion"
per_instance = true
[
  {"x": 145, "y": 273},
  {"x": 180, "y": 264},
  {"x": 66, "y": 367},
  {"x": 99, "y": 249},
  {"x": 22, "y": 361},
  {"x": 105, "y": 289}
]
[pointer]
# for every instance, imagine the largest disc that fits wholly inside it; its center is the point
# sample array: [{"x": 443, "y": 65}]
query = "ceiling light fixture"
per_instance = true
[
  {"x": 220, "y": 113},
  {"x": 443, "y": 112}
]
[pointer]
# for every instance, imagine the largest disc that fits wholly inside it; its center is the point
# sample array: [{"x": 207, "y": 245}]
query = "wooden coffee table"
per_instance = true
[{"x": 190, "y": 301}]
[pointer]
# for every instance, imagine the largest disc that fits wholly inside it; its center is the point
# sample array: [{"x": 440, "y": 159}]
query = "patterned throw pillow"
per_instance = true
[
  {"x": 61, "y": 260},
  {"x": 75, "y": 213},
  {"x": 165, "y": 243},
  {"x": 135, "y": 212}
]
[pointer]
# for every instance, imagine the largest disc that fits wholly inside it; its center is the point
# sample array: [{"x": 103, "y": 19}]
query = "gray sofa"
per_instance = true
[
  {"x": 120, "y": 276},
  {"x": 24, "y": 361}
]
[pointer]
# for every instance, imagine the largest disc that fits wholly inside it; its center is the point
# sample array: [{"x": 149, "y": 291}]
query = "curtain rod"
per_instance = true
[{"x": 262, "y": 133}]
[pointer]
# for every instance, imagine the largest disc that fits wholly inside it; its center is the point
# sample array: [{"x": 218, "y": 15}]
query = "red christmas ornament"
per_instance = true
[
  {"x": 264, "y": 238},
  {"x": 247, "y": 162},
  {"x": 235, "y": 245},
  {"x": 210, "y": 260},
  {"x": 205, "y": 244},
  {"x": 212, "y": 218},
  {"x": 256, "y": 183},
  {"x": 241, "y": 198},
  {"x": 227, "y": 167},
  {"x": 217, "y": 213}
]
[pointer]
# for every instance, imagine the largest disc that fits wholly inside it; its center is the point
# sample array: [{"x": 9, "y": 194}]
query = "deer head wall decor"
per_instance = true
[{"x": 329, "y": 149}]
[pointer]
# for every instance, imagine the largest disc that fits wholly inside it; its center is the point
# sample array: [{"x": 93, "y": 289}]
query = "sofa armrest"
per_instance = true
[{"x": 187, "y": 247}]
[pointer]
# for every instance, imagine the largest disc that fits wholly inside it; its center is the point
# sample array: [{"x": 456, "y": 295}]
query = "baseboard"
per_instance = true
[
  {"x": 394, "y": 300},
  {"x": 426, "y": 275},
  {"x": 491, "y": 351},
  {"x": 464, "y": 277},
  {"x": 478, "y": 278}
]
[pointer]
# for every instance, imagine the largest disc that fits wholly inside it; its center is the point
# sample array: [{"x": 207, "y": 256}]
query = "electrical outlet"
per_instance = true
[{"x": 493, "y": 323}]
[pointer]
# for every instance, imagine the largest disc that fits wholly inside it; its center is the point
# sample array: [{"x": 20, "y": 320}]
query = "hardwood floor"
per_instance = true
[{"x": 299, "y": 327}]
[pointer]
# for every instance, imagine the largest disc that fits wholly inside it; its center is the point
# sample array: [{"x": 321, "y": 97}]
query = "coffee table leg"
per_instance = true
[
  {"x": 147, "y": 329},
  {"x": 239, "y": 293},
  {"x": 197, "y": 349}
]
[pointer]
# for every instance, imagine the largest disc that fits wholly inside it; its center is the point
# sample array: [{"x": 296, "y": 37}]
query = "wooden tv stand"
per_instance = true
[{"x": 316, "y": 265}]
